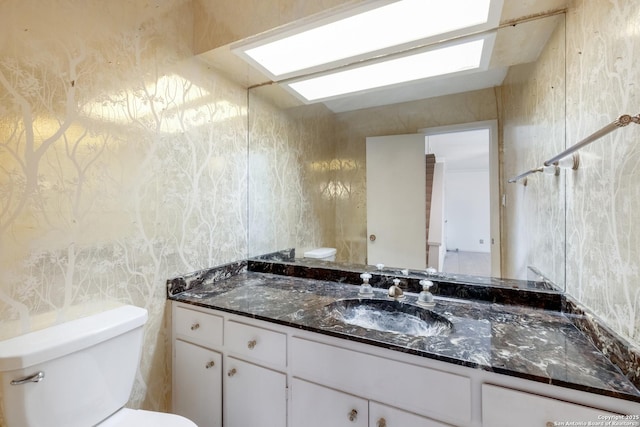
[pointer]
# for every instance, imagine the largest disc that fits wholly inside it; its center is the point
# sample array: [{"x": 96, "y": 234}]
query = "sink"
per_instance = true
[{"x": 389, "y": 316}]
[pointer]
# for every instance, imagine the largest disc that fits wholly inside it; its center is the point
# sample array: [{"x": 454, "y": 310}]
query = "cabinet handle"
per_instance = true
[
  {"x": 382, "y": 422},
  {"x": 251, "y": 344},
  {"x": 195, "y": 326},
  {"x": 232, "y": 372},
  {"x": 210, "y": 364},
  {"x": 353, "y": 415}
]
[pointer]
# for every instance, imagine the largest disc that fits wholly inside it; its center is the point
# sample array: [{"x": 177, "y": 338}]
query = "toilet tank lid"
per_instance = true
[
  {"x": 320, "y": 253},
  {"x": 56, "y": 341}
]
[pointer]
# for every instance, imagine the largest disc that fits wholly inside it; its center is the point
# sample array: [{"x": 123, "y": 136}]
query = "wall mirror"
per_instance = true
[{"x": 308, "y": 161}]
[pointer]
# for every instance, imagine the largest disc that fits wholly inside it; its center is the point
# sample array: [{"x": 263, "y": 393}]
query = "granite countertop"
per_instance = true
[{"x": 531, "y": 343}]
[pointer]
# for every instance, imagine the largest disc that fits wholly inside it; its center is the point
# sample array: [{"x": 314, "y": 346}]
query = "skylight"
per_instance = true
[
  {"x": 359, "y": 33},
  {"x": 454, "y": 58}
]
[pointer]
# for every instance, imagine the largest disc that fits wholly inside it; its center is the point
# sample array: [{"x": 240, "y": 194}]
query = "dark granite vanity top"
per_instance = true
[{"x": 532, "y": 343}]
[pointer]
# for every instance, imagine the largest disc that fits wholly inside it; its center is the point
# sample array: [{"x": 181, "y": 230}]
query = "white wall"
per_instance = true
[{"x": 467, "y": 210}]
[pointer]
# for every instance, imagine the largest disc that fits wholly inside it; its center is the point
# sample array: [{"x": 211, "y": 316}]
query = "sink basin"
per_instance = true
[{"x": 389, "y": 316}]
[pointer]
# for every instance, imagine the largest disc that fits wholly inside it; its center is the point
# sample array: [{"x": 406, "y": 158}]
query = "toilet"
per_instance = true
[
  {"x": 79, "y": 373},
  {"x": 323, "y": 254}
]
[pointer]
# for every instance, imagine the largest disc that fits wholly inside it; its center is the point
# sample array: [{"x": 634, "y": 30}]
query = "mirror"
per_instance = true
[{"x": 307, "y": 163}]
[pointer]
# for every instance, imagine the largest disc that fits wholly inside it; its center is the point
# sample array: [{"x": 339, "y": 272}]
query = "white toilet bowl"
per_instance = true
[{"x": 138, "y": 418}]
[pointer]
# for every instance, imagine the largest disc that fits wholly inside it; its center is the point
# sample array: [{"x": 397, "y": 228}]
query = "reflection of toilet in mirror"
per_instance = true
[
  {"x": 78, "y": 373},
  {"x": 322, "y": 254}
]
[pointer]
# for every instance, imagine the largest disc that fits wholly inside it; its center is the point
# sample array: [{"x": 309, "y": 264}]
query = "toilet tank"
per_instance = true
[{"x": 87, "y": 367}]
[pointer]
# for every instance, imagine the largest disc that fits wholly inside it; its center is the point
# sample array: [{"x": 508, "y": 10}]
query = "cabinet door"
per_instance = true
[
  {"x": 197, "y": 384},
  {"x": 385, "y": 416},
  {"x": 503, "y": 407},
  {"x": 254, "y": 396},
  {"x": 316, "y": 406}
]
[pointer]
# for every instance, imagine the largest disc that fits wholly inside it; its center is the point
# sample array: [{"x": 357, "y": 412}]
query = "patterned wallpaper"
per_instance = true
[
  {"x": 602, "y": 213},
  {"x": 603, "y": 196},
  {"x": 123, "y": 162},
  {"x": 292, "y": 190},
  {"x": 533, "y": 127}
]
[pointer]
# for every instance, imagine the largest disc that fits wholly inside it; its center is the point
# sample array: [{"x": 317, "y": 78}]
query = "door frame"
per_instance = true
[{"x": 494, "y": 181}]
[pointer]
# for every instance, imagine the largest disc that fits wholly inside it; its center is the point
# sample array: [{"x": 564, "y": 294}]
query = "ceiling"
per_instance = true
[{"x": 526, "y": 26}]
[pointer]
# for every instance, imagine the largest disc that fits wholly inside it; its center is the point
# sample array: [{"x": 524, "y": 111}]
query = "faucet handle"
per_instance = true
[
  {"x": 425, "y": 298},
  {"x": 431, "y": 271},
  {"x": 426, "y": 284},
  {"x": 366, "y": 290},
  {"x": 380, "y": 266}
]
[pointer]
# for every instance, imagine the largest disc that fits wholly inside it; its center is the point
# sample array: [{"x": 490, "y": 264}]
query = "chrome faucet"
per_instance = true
[{"x": 395, "y": 291}]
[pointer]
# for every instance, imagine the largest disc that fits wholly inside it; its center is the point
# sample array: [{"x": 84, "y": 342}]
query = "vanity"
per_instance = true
[{"x": 252, "y": 348}]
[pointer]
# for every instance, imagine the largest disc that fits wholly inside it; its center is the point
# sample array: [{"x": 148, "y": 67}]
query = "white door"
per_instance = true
[
  {"x": 253, "y": 395},
  {"x": 396, "y": 197},
  {"x": 317, "y": 406},
  {"x": 198, "y": 373}
]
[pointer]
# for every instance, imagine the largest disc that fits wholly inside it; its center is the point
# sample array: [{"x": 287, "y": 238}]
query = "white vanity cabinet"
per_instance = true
[
  {"x": 227, "y": 373},
  {"x": 197, "y": 368},
  {"x": 235, "y": 371}
]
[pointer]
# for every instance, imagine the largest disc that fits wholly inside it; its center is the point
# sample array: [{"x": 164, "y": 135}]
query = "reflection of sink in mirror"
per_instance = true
[{"x": 389, "y": 316}]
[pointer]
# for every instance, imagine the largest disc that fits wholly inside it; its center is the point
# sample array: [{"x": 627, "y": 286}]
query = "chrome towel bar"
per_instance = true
[{"x": 621, "y": 121}]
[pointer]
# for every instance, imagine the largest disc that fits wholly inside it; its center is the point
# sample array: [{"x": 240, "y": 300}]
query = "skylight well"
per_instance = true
[
  {"x": 377, "y": 29},
  {"x": 431, "y": 63}
]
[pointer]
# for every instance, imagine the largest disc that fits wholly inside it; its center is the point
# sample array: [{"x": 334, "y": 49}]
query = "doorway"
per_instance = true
[{"x": 471, "y": 197}]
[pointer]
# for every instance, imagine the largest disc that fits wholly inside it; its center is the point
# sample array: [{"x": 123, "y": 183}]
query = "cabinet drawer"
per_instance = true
[
  {"x": 202, "y": 328},
  {"x": 256, "y": 343},
  {"x": 386, "y": 416},
  {"x": 503, "y": 407},
  {"x": 435, "y": 394}
]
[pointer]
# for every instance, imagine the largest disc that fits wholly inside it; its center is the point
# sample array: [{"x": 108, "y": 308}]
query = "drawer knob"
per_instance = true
[
  {"x": 232, "y": 372},
  {"x": 195, "y": 326},
  {"x": 251, "y": 344},
  {"x": 353, "y": 415},
  {"x": 382, "y": 422},
  {"x": 549, "y": 424},
  {"x": 210, "y": 364}
]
